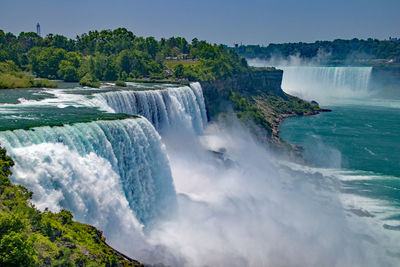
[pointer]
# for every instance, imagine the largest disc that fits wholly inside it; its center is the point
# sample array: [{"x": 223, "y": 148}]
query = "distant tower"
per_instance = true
[{"x": 38, "y": 29}]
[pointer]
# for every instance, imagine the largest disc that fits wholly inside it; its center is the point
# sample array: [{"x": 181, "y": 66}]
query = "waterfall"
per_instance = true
[
  {"x": 169, "y": 108},
  {"x": 116, "y": 175},
  {"x": 326, "y": 83},
  {"x": 60, "y": 164}
]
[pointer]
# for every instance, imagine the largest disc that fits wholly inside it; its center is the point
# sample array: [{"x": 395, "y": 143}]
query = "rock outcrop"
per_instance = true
[
  {"x": 259, "y": 102},
  {"x": 217, "y": 92}
]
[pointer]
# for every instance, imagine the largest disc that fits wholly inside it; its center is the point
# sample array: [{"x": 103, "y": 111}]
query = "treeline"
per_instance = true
[
  {"x": 339, "y": 50},
  {"x": 112, "y": 55}
]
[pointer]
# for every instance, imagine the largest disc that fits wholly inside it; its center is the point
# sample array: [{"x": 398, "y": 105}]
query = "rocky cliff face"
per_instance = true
[
  {"x": 217, "y": 93},
  {"x": 257, "y": 99}
]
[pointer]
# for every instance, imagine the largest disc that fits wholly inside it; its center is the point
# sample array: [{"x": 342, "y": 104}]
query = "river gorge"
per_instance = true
[{"x": 165, "y": 185}]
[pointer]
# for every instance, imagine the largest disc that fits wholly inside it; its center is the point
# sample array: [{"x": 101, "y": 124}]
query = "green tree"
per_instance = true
[
  {"x": 151, "y": 46},
  {"x": 67, "y": 72},
  {"x": 44, "y": 61},
  {"x": 124, "y": 61}
]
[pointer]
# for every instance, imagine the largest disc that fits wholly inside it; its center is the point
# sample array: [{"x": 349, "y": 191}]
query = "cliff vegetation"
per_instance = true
[
  {"x": 267, "y": 110},
  {"x": 258, "y": 101},
  {"x": 29, "y": 237}
]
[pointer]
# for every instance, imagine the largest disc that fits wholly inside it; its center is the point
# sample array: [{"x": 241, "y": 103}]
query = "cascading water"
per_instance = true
[
  {"x": 130, "y": 151},
  {"x": 236, "y": 208},
  {"x": 326, "y": 83},
  {"x": 169, "y": 108}
]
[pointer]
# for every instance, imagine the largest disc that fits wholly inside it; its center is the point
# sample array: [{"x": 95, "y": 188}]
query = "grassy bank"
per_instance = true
[{"x": 12, "y": 77}]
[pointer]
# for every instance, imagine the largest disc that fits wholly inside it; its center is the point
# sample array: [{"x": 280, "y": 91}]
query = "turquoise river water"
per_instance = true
[{"x": 362, "y": 139}]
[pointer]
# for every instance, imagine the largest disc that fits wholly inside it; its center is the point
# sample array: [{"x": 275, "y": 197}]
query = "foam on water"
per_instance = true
[
  {"x": 235, "y": 205},
  {"x": 87, "y": 185},
  {"x": 174, "y": 107},
  {"x": 131, "y": 147}
]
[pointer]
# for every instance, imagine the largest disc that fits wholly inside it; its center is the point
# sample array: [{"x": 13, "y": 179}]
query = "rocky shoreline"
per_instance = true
[
  {"x": 281, "y": 117},
  {"x": 294, "y": 151}
]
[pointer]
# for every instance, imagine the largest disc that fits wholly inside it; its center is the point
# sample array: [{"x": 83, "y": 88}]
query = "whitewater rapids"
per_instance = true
[{"x": 200, "y": 194}]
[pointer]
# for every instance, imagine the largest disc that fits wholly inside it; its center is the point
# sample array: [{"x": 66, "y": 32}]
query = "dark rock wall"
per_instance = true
[{"x": 217, "y": 93}]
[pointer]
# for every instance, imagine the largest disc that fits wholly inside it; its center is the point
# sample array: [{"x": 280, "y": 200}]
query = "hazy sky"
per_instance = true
[{"x": 223, "y": 21}]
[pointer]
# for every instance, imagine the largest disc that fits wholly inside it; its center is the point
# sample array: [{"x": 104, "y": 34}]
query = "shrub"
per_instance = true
[
  {"x": 247, "y": 111},
  {"x": 90, "y": 81},
  {"x": 179, "y": 71},
  {"x": 43, "y": 83},
  {"x": 8, "y": 80},
  {"x": 120, "y": 83},
  {"x": 16, "y": 250}
]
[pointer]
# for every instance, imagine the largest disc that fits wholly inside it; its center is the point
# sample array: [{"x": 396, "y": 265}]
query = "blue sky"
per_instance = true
[{"x": 223, "y": 21}]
